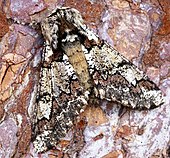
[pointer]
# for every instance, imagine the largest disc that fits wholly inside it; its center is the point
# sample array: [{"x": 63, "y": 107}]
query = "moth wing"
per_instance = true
[
  {"x": 117, "y": 79},
  {"x": 68, "y": 100}
]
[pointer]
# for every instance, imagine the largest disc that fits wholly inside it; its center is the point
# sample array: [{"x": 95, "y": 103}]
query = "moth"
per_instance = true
[{"x": 78, "y": 67}]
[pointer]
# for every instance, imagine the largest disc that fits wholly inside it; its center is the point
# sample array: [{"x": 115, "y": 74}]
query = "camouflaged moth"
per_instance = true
[{"x": 78, "y": 66}]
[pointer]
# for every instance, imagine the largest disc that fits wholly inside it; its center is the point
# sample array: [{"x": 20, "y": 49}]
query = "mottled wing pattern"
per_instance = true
[
  {"x": 60, "y": 100},
  {"x": 117, "y": 79},
  {"x": 87, "y": 67}
]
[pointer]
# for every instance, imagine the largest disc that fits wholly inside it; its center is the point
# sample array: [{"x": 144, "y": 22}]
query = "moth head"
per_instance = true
[{"x": 60, "y": 21}]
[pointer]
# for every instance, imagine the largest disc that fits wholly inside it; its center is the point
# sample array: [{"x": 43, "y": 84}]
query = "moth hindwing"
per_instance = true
[{"x": 77, "y": 65}]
